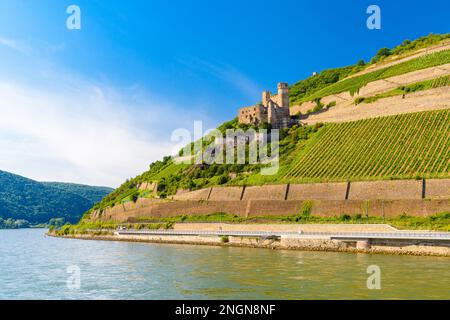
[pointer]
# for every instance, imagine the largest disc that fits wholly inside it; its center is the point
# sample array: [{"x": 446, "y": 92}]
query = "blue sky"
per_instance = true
[{"x": 97, "y": 105}]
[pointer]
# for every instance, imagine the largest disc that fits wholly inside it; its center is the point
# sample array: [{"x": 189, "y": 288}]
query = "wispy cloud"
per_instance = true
[
  {"x": 54, "y": 48},
  {"x": 227, "y": 73},
  {"x": 15, "y": 45},
  {"x": 83, "y": 132}
]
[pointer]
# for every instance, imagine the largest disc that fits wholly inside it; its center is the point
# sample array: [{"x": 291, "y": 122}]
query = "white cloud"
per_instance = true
[
  {"x": 81, "y": 132},
  {"x": 15, "y": 45},
  {"x": 59, "y": 126}
]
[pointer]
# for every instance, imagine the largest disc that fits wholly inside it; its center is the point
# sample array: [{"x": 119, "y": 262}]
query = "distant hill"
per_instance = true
[
  {"x": 93, "y": 194},
  {"x": 38, "y": 202}
]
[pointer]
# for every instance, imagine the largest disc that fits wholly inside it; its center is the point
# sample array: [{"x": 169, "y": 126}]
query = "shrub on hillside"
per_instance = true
[
  {"x": 319, "y": 105},
  {"x": 381, "y": 54},
  {"x": 331, "y": 104},
  {"x": 359, "y": 100},
  {"x": 222, "y": 180}
]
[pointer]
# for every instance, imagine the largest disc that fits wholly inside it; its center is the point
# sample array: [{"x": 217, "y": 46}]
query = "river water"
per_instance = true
[{"x": 33, "y": 266}]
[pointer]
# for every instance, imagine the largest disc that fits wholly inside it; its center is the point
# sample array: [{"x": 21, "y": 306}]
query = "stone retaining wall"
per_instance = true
[
  {"x": 437, "y": 189},
  {"x": 226, "y": 193},
  {"x": 318, "y": 191},
  {"x": 373, "y": 198},
  {"x": 387, "y": 190},
  {"x": 365, "y": 190},
  {"x": 249, "y": 209},
  {"x": 267, "y": 192},
  {"x": 202, "y": 194}
]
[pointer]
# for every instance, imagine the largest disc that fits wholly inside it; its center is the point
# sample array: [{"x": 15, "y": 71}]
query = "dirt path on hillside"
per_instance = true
[
  {"x": 434, "y": 99},
  {"x": 399, "y": 59},
  {"x": 375, "y": 87}
]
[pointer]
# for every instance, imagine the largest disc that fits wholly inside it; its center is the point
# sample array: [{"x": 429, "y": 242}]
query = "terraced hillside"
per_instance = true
[
  {"x": 353, "y": 84},
  {"x": 340, "y": 135},
  {"x": 348, "y": 79},
  {"x": 404, "y": 146},
  {"x": 401, "y": 146}
]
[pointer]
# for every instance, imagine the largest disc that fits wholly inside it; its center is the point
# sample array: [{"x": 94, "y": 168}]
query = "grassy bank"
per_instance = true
[{"x": 437, "y": 222}]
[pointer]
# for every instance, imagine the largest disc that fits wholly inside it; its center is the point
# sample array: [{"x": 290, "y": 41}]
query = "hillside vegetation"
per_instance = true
[
  {"x": 93, "y": 194},
  {"x": 404, "y": 146},
  {"x": 408, "y": 146},
  {"x": 353, "y": 84},
  {"x": 404, "y": 90},
  {"x": 24, "y": 201},
  {"x": 332, "y": 81}
]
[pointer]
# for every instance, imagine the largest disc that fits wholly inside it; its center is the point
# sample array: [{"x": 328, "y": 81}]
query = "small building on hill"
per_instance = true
[{"x": 274, "y": 109}]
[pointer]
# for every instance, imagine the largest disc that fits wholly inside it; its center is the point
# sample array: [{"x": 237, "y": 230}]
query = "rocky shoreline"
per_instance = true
[{"x": 377, "y": 247}]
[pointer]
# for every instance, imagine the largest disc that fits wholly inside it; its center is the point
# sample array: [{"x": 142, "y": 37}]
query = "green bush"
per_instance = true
[
  {"x": 319, "y": 105},
  {"x": 306, "y": 87},
  {"x": 331, "y": 104},
  {"x": 222, "y": 180},
  {"x": 135, "y": 196},
  {"x": 306, "y": 209},
  {"x": 381, "y": 54},
  {"x": 359, "y": 100}
]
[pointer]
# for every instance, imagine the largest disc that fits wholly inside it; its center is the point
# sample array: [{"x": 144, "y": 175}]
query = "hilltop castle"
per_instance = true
[{"x": 274, "y": 109}]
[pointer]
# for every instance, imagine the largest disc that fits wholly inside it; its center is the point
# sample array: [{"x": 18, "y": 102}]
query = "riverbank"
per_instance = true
[
  {"x": 318, "y": 242},
  {"x": 142, "y": 271}
]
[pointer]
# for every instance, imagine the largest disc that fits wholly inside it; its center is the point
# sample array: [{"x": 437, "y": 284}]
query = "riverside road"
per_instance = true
[{"x": 430, "y": 236}]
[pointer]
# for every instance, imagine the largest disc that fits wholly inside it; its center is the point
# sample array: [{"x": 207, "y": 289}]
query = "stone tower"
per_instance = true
[
  {"x": 283, "y": 94},
  {"x": 274, "y": 109},
  {"x": 266, "y": 96}
]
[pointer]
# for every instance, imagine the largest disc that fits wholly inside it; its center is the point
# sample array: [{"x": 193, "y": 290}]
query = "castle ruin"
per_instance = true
[{"x": 274, "y": 109}]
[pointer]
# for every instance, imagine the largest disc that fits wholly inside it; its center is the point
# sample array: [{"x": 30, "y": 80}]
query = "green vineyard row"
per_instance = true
[{"x": 402, "y": 146}]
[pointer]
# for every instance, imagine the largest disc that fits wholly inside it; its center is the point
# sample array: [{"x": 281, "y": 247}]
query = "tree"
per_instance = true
[
  {"x": 135, "y": 196},
  {"x": 13, "y": 224},
  {"x": 19, "y": 224},
  {"x": 57, "y": 222},
  {"x": 222, "y": 179},
  {"x": 406, "y": 42},
  {"x": 384, "y": 52}
]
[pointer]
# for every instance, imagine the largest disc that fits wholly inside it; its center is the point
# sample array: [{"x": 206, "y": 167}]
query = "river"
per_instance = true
[{"x": 33, "y": 266}]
